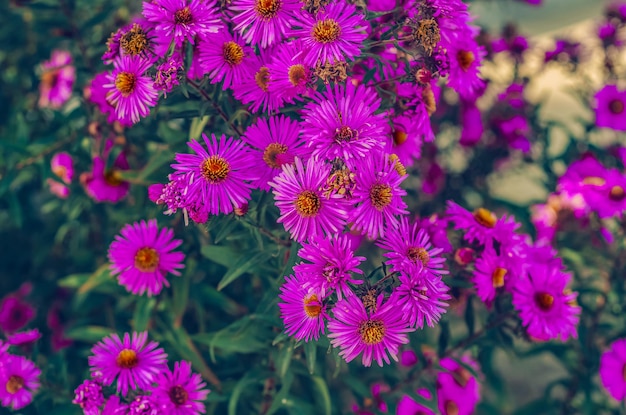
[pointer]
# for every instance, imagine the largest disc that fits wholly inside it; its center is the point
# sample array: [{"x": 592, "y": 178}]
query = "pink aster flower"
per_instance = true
[
  {"x": 168, "y": 74},
  {"x": 133, "y": 39},
  {"x": 104, "y": 184},
  {"x": 217, "y": 177},
  {"x": 546, "y": 307},
  {"x": 406, "y": 140},
  {"x": 24, "y": 338},
  {"x": 130, "y": 360},
  {"x": 15, "y": 313},
  {"x": 491, "y": 273},
  {"x": 275, "y": 142},
  {"x": 97, "y": 93},
  {"x": 376, "y": 334},
  {"x": 62, "y": 165},
  {"x": 481, "y": 225},
  {"x": 290, "y": 75},
  {"x": 129, "y": 90},
  {"x": 411, "y": 250},
  {"x": 114, "y": 406},
  {"x": 472, "y": 124},
  {"x": 610, "y": 107},
  {"x": 612, "y": 369},
  {"x": 263, "y": 22},
  {"x": 303, "y": 310},
  {"x": 515, "y": 131},
  {"x": 379, "y": 197},
  {"x": 341, "y": 123},
  {"x": 19, "y": 380},
  {"x": 226, "y": 58},
  {"x": 180, "y": 392},
  {"x": 177, "y": 20},
  {"x": 254, "y": 88},
  {"x": 408, "y": 406},
  {"x": 465, "y": 60},
  {"x": 88, "y": 395},
  {"x": 333, "y": 34},
  {"x": 458, "y": 392},
  {"x": 142, "y": 255},
  {"x": 57, "y": 79},
  {"x": 422, "y": 298},
  {"x": 304, "y": 211},
  {"x": 331, "y": 264},
  {"x": 144, "y": 405}
]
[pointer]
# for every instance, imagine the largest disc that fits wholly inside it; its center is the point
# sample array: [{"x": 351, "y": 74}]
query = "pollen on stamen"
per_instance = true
[
  {"x": 178, "y": 395},
  {"x": 616, "y": 106},
  {"x": 544, "y": 301},
  {"x": 14, "y": 384},
  {"x": 262, "y": 78},
  {"x": 372, "y": 331},
  {"x": 297, "y": 74},
  {"x": 465, "y": 59},
  {"x": 485, "y": 217},
  {"x": 125, "y": 82},
  {"x": 271, "y": 152},
  {"x": 312, "y": 306},
  {"x": 380, "y": 196},
  {"x": 127, "y": 359},
  {"x": 326, "y": 31},
  {"x": 232, "y": 53},
  {"x": 497, "y": 278},
  {"x": 308, "y": 204},
  {"x": 215, "y": 169},
  {"x": 146, "y": 259},
  {"x": 267, "y": 9}
]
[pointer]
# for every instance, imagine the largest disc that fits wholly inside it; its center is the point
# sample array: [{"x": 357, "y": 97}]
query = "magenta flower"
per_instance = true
[
  {"x": 144, "y": 405},
  {"x": 88, "y": 395},
  {"x": 57, "y": 79},
  {"x": 406, "y": 142},
  {"x": 15, "y": 313},
  {"x": 613, "y": 369},
  {"x": 104, "y": 184},
  {"x": 168, "y": 74},
  {"x": 304, "y": 211},
  {"x": 226, "y": 58},
  {"x": 379, "y": 197},
  {"x": 114, "y": 406},
  {"x": 411, "y": 250},
  {"x": 376, "y": 334},
  {"x": 275, "y": 142},
  {"x": 491, "y": 273},
  {"x": 608, "y": 199},
  {"x": 422, "y": 298},
  {"x": 546, "y": 307},
  {"x": 465, "y": 60},
  {"x": 515, "y": 131},
  {"x": 141, "y": 256},
  {"x": 610, "y": 108},
  {"x": 290, "y": 75},
  {"x": 134, "y": 39},
  {"x": 97, "y": 93},
  {"x": 217, "y": 177},
  {"x": 333, "y": 34},
  {"x": 472, "y": 125},
  {"x": 23, "y": 338},
  {"x": 177, "y": 20},
  {"x": 129, "y": 90},
  {"x": 263, "y": 22},
  {"x": 254, "y": 88},
  {"x": 180, "y": 392},
  {"x": 408, "y": 406},
  {"x": 19, "y": 380},
  {"x": 131, "y": 361},
  {"x": 341, "y": 123},
  {"x": 62, "y": 165},
  {"x": 331, "y": 264},
  {"x": 302, "y": 309},
  {"x": 458, "y": 392},
  {"x": 481, "y": 225}
]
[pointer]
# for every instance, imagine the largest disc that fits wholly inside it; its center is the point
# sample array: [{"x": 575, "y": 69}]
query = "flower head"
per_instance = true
[
  {"x": 225, "y": 57},
  {"x": 290, "y": 75},
  {"x": 180, "y": 391},
  {"x": 57, "y": 79},
  {"x": 263, "y": 22},
  {"x": 106, "y": 184},
  {"x": 19, "y": 379},
  {"x": 141, "y": 256},
  {"x": 611, "y": 108},
  {"x": 24, "y": 337},
  {"x": 458, "y": 392},
  {"x": 302, "y": 309},
  {"x": 62, "y": 165},
  {"x": 254, "y": 88},
  {"x": 613, "y": 369},
  {"x": 422, "y": 298},
  {"x": 88, "y": 395},
  {"x": 482, "y": 225},
  {"x": 15, "y": 313}
]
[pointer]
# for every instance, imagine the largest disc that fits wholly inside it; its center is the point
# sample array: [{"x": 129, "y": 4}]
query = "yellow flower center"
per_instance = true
[
  {"x": 380, "y": 196},
  {"x": 617, "y": 193},
  {"x": 267, "y": 8},
  {"x": 215, "y": 169},
  {"x": 345, "y": 134},
  {"x": 451, "y": 408},
  {"x": 427, "y": 34},
  {"x": 465, "y": 59},
  {"x": 232, "y": 53},
  {"x": 397, "y": 164},
  {"x": 485, "y": 217},
  {"x": 308, "y": 204},
  {"x": 125, "y": 82},
  {"x": 419, "y": 253},
  {"x": 113, "y": 178},
  {"x": 146, "y": 259},
  {"x": 178, "y": 395},
  {"x": 372, "y": 331},
  {"x": 497, "y": 278},
  {"x": 262, "y": 78},
  {"x": 399, "y": 137},
  {"x": 312, "y": 310},
  {"x": 60, "y": 171},
  {"x": 127, "y": 359},
  {"x": 544, "y": 301},
  {"x": 270, "y": 153},
  {"x": 14, "y": 384},
  {"x": 428, "y": 98},
  {"x": 183, "y": 16},
  {"x": 326, "y": 31},
  {"x": 135, "y": 41},
  {"x": 594, "y": 181},
  {"x": 297, "y": 74}
]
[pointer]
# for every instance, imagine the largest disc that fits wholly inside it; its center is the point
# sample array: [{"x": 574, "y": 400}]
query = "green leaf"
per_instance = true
[
  {"x": 283, "y": 360},
  {"x": 280, "y": 398},
  {"x": 197, "y": 126},
  {"x": 428, "y": 403},
  {"x": 242, "y": 266},
  {"x": 249, "y": 379},
  {"x": 310, "y": 353},
  {"x": 322, "y": 395},
  {"x": 469, "y": 315},
  {"x": 222, "y": 255},
  {"x": 88, "y": 334},
  {"x": 143, "y": 312},
  {"x": 444, "y": 338},
  {"x": 248, "y": 335}
]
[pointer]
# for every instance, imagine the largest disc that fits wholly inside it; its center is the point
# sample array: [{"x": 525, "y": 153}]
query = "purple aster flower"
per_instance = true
[
  {"x": 458, "y": 392},
  {"x": 88, "y": 395},
  {"x": 226, "y": 58},
  {"x": 19, "y": 379},
  {"x": 145, "y": 405},
  {"x": 217, "y": 177},
  {"x": 263, "y": 22},
  {"x": 303, "y": 310},
  {"x": 481, "y": 225},
  {"x": 304, "y": 211},
  {"x": 379, "y": 197},
  {"x": 15, "y": 313},
  {"x": 491, "y": 272},
  {"x": 180, "y": 392},
  {"x": 142, "y": 255},
  {"x": 610, "y": 106},
  {"x": 177, "y": 20},
  {"x": 421, "y": 296},
  {"x": 23, "y": 338},
  {"x": 407, "y": 406},
  {"x": 275, "y": 142},
  {"x": 466, "y": 57},
  {"x": 168, "y": 74},
  {"x": 333, "y": 34},
  {"x": 254, "y": 88},
  {"x": 97, "y": 93},
  {"x": 564, "y": 51},
  {"x": 172, "y": 194},
  {"x": 129, "y": 90},
  {"x": 515, "y": 131},
  {"x": 613, "y": 369},
  {"x": 609, "y": 35},
  {"x": 62, "y": 165},
  {"x": 134, "y": 39},
  {"x": 411, "y": 250},
  {"x": 472, "y": 124},
  {"x": 608, "y": 199},
  {"x": 341, "y": 123},
  {"x": 130, "y": 360},
  {"x": 406, "y": 142},
  {"x": 104, "y": 184},
  {"x": 331, "y": 264},
  {"x": 57, "y": 79},
  {"x": 290, "y": 75},
  {"x": 376, "y": 334},
  {"x": 546, "y": 307},
  {"x": 114, "y": 406}
]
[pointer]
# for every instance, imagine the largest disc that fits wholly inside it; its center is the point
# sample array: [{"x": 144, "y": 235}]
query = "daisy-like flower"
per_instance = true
[
  {"x": 333, "y": 34},
  {"x": 88, "y": 395},
  {"x": 178, "y": 20},
  {"x": 408, "y": 406},
  {"x": 491, "y": 272},
  {"x": 133, "y": 362},
  {"x": 331, "y": 264},
  {"x": 303, "y": 310},
  {"x": 114, "y": 406},
  {"x": 458, "y": 392},
  {"x": 225, "y": 57},
  {"x": 129, "y": 90},
  {"x": 376, "y": 334},
  {"x": 142, "y": 255},
  {"x": 275, "y": 142},
  {"x": 97, "y": 93},
  {"x": 15, "y": 313},
  {"x": 104, "y": 184},
  {"x": 62, "y": 165},
  {"x": 19, "y": 379},
  {"x": 180, "y": 392},
  {"x": 422, "y": 298},
  {"x": 341, "y": 123},
  {"x": 304, "y": 211},
  {"x": 134, "y": 39},
  {"x": 482, "y": 225},
  {"x": 610, "y": 108},
  {"x": 290, "y": 75},
  {"x": 57, "y": 79},
  {"x": 379, "y": 197},
  {"x": 406, "y": 140},
  {"x": 613, "y": 369},
  {"x": 144, "y": 405},
  {"x": 410, "y": 249},
  {"x": 263, "y": 22},
  {"x": 546, "y": 307},
  {"x": 217, "y": 177},
  {"x": 255, "y": 86},
  {"x": 23, "y": 338},
  {"x": 608, "y": 199},
  {"x": 466, "y": 57}
]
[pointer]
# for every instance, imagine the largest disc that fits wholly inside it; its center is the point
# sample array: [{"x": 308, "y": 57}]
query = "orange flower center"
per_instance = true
[
  {"x": 427, "y": 34},
  {"x": 215, "y": 169},
  {"x": 178, "y": 395},
  {"x": 497, "y": 278},
  {"x": 465, "y": 59},
  {"x": 125, "y": 82},
  {"x": 135, "y": 41},
  {"x": 594, "y": 181},
  {"x": 544, "y": 301},
  {"x": 372, "y": 331},
  {"x": 297, "y": 74},
  {"x": 399, "y": 137},
  {"x": 308, "y": 204},
  {"x": 262, "y": 78},
  {"x": 326, "y": 31},
  {"x": 113, "y": 178},
  {"x": 14, "y": 384},
  {"x": 419, "y": 253},
  {"x": 312, "y": 310},
  {"x": 345, "y": 134},
  {"x": 461, "y": 376},
  {"x": 485, "y": 217},
  {"x": 267, "y": 8},
  {"x": 616, "y": 106},
  {"x": 127, "y": 359},
  {"x": 232, "y": 53},
  {"x": 60, "y": 171},
  {"x": 183, "y": 16},
  {"x": 146, "y": 259},
  {"x": 617, "y": 193},
  {"x": 380, "y": 196},
  {"x": 270, "y": 153},
  {"x": 451, "y": 408}
]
